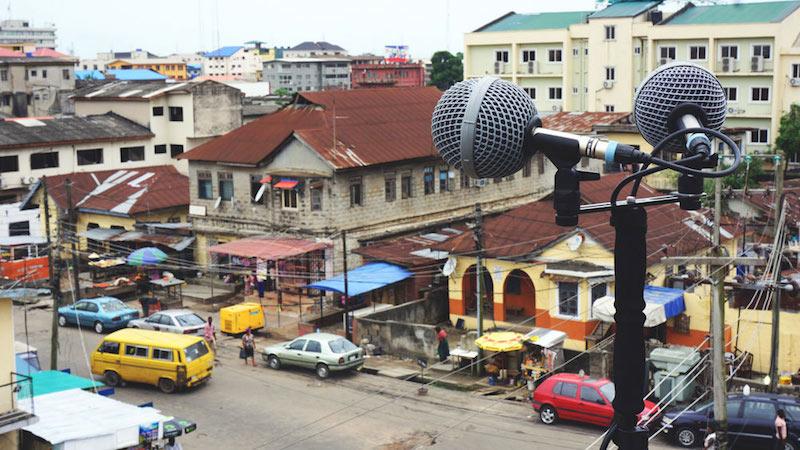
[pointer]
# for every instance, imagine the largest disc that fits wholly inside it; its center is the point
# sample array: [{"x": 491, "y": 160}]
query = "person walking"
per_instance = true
[
  {"x": 710, "y": 442},
  {"x": 444, "y": 347},
  {"x": 248, "y": 346},
  {"x": 779, "y": 439},
  {"x": 211, "y": 336}
]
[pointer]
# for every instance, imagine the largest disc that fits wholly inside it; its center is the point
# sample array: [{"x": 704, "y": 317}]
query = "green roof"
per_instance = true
[
  {"x": 540, "y": 21},
  {"x": 734, "y": 13},
  {"x": 49, "y": 381},
  {"x": 624, "y": 9}
]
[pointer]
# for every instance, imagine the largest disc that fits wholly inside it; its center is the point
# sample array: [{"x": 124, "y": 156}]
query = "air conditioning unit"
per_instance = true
[
  {"x": 557, "y": 108},
  {"x": 663, "y": 61},
  {"x": 731, "y": 110},
  {"x": 532, "y": 67},
  {"x": 608, "y": 84},
  {"x": 728, "y": 64},
  {"x": 795, "y": 82},
  {"x": 757, "y": 64},
  {"x": 479, "y": 182},
  {"x": 499, "y": 67},
  {"x": 27, "y": 180}
]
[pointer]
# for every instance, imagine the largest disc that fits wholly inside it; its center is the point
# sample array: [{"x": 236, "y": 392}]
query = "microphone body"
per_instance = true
[{"x": 567, "y": 146}]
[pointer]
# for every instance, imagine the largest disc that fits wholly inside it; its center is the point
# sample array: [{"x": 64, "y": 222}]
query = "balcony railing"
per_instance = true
[{"x": 15, "y": 417}]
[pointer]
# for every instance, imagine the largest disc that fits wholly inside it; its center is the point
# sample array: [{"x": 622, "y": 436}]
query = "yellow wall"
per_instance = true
[
  {"x": 7, "y": 358},
  {"x": 202, "y": 243},
  {"x": 172, "y": 69},
  {"x": 107, "y": 221}
]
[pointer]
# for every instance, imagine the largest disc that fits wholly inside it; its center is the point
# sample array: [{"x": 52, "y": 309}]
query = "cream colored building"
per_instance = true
[{"x": 593, "y": 61}]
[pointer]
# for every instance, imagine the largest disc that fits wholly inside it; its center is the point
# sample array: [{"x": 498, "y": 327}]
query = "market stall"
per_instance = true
[
  {"x": 169, "y": 291},
  {"x": 519, "y": 358},
  {"x": 504, "y": 366}
]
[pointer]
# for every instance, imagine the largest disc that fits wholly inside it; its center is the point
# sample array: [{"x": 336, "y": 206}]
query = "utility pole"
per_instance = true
[
  {"x": 719, "y": 384},
  {"x": 76, "y": 270},
  {"x": 478, "y": 235},
  {"x": 348, "y": 319},
  {"x": 55, "y": 284},
  {"x": 776, "y": 279}
]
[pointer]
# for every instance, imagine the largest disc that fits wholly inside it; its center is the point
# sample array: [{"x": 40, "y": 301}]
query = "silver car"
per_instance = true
[
  {"x": 181, "y": 321},
  {"x": 319, "y": 351}
]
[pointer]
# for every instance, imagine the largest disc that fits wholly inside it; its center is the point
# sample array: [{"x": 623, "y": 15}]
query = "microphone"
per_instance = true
[{"x": 488, "y": 127}]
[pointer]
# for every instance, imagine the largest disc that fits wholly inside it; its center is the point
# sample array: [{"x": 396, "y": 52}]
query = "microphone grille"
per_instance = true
[
  {"x": 503, "y": 116},
  {"x": 669, "y": 86}
]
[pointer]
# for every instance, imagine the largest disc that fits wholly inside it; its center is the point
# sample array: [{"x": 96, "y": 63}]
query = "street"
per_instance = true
[{"x": 255, "y": 407}]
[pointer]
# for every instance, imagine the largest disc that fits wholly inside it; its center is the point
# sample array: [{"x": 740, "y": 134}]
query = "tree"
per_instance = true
[
  {"x": 283, "y": 96},
  {"x": 448, "y": 69},
  {"x": 736, "y": 180},
  {"x": 788, "y": 140}
]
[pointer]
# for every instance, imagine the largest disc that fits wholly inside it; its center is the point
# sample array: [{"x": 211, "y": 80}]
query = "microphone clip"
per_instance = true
[{"x": 567, "y": 194}]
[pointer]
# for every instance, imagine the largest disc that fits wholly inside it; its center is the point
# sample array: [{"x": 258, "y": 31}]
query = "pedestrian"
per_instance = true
[
  {"x": 173, "y": 445},
  {"x": 248, "y": 346},
  {"x": 779, "y": 440},
  {"x": 710, "y": 442},
  {"x": 444, "y": 347},
  {"x": 211, "y": 336}
]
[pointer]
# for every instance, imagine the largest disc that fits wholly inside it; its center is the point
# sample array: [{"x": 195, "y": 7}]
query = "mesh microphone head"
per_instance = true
[
  {"x": 501, "y": 112},
  {"x": 670, "y": 86}
]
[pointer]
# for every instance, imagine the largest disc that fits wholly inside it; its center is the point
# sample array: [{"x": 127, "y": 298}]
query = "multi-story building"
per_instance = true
[
  {"x": 387, "y": 75},
  {"x": 308, "y": 73},
  {"x": 103, "y": 58},
  {"x": 367, "y": 166},
  {"x": 593, "y": 61},
  {"x": 22, "y": 32},
  {"x": 181, "y": 116},
  {"x": 173, "y": 68},
  {"x": 234, "y": 62},
  {"x": 31, "y": 85},
  {"x": 311, "y": 49}
]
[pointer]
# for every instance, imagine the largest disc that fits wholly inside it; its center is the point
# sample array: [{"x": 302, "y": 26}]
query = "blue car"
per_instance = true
[{"x": 102, "y": 313}]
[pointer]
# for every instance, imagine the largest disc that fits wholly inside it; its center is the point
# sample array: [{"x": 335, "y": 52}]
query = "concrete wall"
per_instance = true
[
  {"x": 7, "y": 360},
  {"x": 405, "y": 330},
  {"x": 42, "y": 90},
  {"x": 217, "y": 109}
]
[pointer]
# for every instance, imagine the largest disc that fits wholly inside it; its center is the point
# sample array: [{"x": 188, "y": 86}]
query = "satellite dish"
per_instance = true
[
  {"x": 260, "y": 193},
  {"x": 449, "y": 267},
  {"x": 575, "y": 242},
  {"x": 218, "y": 202}
]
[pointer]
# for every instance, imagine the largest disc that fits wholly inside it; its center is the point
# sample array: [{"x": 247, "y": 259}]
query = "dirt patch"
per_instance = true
[{"x": 415, "y": 440}]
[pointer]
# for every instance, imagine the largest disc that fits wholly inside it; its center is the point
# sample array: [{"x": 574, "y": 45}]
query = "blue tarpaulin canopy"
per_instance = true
[
  {"x": 670, "y": 299},
  {"x": 363, "y": 279},
  {"x": 660, "y": 304}
]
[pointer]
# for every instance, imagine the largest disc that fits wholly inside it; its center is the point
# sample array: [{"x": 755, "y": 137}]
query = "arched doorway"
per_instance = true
[
  {"x": 470, "y": 289},
  {"x": 519, "y": 296}
]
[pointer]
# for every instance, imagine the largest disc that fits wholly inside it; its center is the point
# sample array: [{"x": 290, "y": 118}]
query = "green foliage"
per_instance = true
[
  {"x": 788, "y": 140},
  {"x": 736, "y": 180},
  {"x": 448, "y": 69},
  {"x": 282, "y": 92}
]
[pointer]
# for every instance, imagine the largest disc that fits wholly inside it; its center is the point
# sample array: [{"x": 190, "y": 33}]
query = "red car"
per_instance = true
[{"x": 569, "y": 396}]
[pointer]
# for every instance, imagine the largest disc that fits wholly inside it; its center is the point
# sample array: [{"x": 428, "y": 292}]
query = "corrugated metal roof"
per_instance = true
[
  {"x": 135, "y": 74},
  {"x": 109, "y": 127},
  {"x": 318, "y": 46},
  {"x": 733, "y": 13},
  {"x": 224, "y": 52},
  {"x": 538, "y": 21},
  {"x": 267, "y": 248},
  {"x": 581, "y": 122},
  {"x": 624, "y": 9}
]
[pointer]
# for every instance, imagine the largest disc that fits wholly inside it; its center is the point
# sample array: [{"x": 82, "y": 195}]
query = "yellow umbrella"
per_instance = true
[{"x": 500, "y": 341}]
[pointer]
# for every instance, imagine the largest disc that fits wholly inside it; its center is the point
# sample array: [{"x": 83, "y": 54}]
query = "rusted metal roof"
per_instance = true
[
  {"x": 412, "y": 250},
  {"x": 267, "y": 248},
  {"x": 581, "y": 122}
]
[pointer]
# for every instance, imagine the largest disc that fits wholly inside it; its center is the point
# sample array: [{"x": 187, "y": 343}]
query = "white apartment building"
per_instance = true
[
  {"x": 22, "y": 32},
  {"x": 594, "y": 60},
  {"x": 103, "y": 58},
  {"x": 234, "y": 62},
  {"x": 311, "y": 49}
]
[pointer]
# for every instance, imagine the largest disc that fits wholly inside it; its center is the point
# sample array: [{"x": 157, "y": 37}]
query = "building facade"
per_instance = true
[
  {"x": 593, "y": 61},
  {"x": 23, "y": 32},
  {"x": 32, "y": 85},
  {"x": 387, "y": 75},
  {"x": 103, "y": 58},
  {"x": 174, "y": 68},
  {"x": 308, "y": 73},
  {"x": 234, "y": 62},
  {"x": 311, "y": 49}
]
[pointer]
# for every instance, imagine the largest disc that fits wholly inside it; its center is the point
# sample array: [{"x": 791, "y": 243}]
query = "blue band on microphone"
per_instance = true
[{"x": 611, "y": 150}]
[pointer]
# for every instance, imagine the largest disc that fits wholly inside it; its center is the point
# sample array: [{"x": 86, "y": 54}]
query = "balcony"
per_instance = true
[
  {"x": 15, "y": 417},
  {"x": 755, "y": 65}
]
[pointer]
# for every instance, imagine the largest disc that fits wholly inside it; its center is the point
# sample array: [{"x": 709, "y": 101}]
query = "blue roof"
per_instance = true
[
  {"x": 363, "y": 279},
  {"x": 89, "y": 75},
  {"x": 194, "y": 66},
  {"x": 671, "y": 299},
  {"x": 224, "y": 51},
  {"x": 135, "y": 74}
]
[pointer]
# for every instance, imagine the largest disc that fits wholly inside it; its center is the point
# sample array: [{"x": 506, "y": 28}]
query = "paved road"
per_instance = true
[{"x": 247, "y": 407}]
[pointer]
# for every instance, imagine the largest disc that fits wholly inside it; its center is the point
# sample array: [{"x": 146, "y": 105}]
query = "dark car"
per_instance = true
[{"x": 751, "y": 421}]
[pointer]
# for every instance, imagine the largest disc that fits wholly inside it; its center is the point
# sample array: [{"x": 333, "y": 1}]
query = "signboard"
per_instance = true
[
  {"x": 30, "y": 269},
  {"x": 396, "y": 53},
  {"x": 197, "y": 210}
]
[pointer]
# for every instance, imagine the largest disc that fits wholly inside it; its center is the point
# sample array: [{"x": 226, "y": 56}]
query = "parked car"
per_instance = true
[
  {"x": 182, "y": 321},
  {"x": 751, "y": 421},
  {"x": 102, "y": 314},
  {"x": 319, "y": 351},
  {"x": 569, "y": 396}
]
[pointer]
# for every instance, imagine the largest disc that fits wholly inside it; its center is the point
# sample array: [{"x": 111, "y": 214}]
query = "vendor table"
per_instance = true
[
  {"x": 457, "y": 354},
  {"x": 173, "y": 292}
]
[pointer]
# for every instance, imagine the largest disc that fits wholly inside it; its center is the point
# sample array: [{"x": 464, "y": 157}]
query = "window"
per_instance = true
[
  {"x": 540, "y": 163},
  {"x": 4, "y": 75},
  {"x": 762, "y": 50},
  {"x": 554, "y": 55},
  {"x": 356, "y": 192},
  {"x": 175, "y": 114},
  {"x": 568, "y": 298},
  {"x": 204, "y": 189},
  {"x": 760, "y": 136},
  {"x": 19, "y": 228},
  {"x": 65, "y": 74},
  {"x": 610, "y": 74},
  {"x": 795, "y": 70},
  {"x": 590, "y": 395},
  {"x": 637, "y": 50},
  {"x": 755, "y": 410},
  {"x": 9, "y": 163},
  {"x": 528, "y": 55},
  {"x": 90, "y": 156},
  {"x": 109, "y": 347},
  {"x": 444, "y": 179},
  {"x": 196, "y": 350},
  {"x": 289, "y": 199},
  {"x": 162, "y": 354},
  {"x": 697, "y": 52},
  {"x": 531, "y": 91},
  {"x": 609, "y": 108},
  {"x": 390, "y": 187},
  {"x": 667, "y": 53},
  {"x": 136, "y": 350},
  {"x": 575, "y": 91},
  {"x": 568, "y": 390},
  {"x": 313, "y": 346},
  {"x": 44, "y": 73},
  {"x": 575, "y": 52},
  {"x": 526, "y": 168},
  {"x": 6, "y": 99},
  {"x": 255, "y": 187},
  {"x": 297, "y": 344},
  {"x": 734, "y": 408},
  {"x": 759, "y": 94},
  {"x": 160, "y": 149},
  {"x": 428, "y": 184},
  {"x": 611, "y": 32},
  {"x": 131, "y": 154},
  {"x": 225, "y": 184},
  {"x": 33, "y": 73},
  {"x": 158, "y": 110},
  {"x": 175, "y": 150},
  {"x": 316, "y": 198},
  {"x": 464, "y": 179},
  {"x": 406, "y": 186},
  {"x": 599, "y": 290},
  {"x": 554, "y": 93},
  {"x": 44, "y": 160},
  {"x": 501, "y": 56},
  {"x": 729, "y": 51},
  {"x": 731, "y": 93}
]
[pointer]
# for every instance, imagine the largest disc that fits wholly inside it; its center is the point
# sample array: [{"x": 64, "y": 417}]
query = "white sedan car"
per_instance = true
[{"x": 181, "y": 321}]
